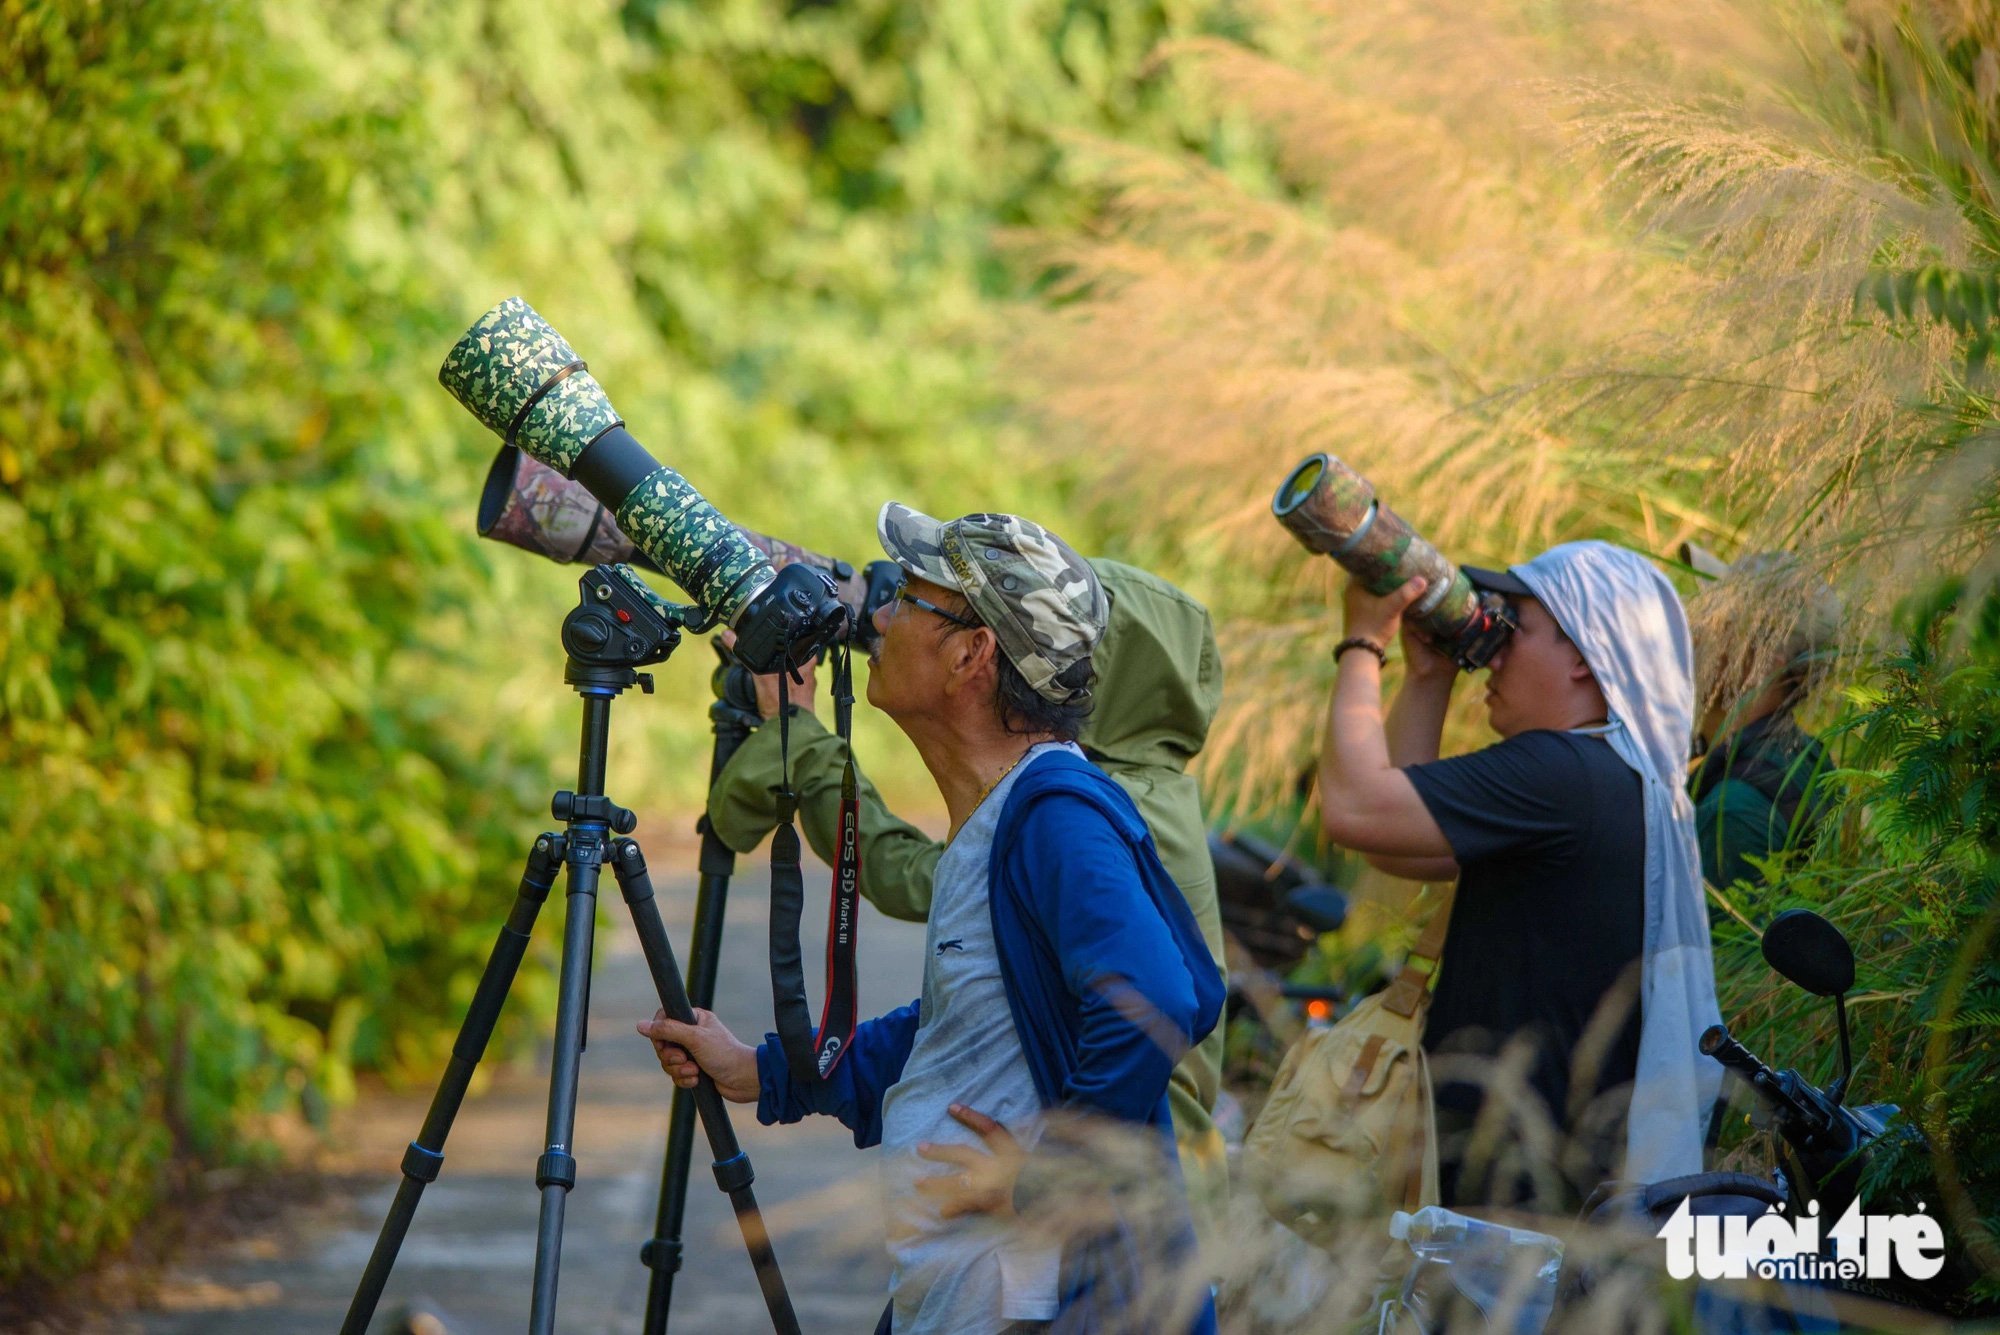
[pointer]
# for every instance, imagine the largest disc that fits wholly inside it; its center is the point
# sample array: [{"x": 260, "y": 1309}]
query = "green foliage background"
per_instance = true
[
  {"x": 273, "y": 730},
  {"x": 1913, "y": 879}
]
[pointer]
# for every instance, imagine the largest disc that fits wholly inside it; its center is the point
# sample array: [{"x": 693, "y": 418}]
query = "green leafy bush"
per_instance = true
[
  {"x": 273, "y": 733},
  {"x": 243, "y": 833},
  {"x": 1914, "y": 881}
]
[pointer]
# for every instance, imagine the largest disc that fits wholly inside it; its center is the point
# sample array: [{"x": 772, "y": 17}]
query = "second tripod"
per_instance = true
[{"x": 618, "y": 627}]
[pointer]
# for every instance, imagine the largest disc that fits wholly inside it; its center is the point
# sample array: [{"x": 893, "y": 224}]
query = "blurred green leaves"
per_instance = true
[
  {"x": 273, "y": 731},
  {"x": 237, "y": 816}
]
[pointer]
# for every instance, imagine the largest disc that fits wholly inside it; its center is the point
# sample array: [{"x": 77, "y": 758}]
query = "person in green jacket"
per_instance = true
[
  {"x": 1758, "y": 783},
  {"x": 1159, "y": 681}
]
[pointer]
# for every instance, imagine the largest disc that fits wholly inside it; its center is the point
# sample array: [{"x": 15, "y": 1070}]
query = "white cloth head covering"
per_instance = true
[{"x": 1627, "y": 621}]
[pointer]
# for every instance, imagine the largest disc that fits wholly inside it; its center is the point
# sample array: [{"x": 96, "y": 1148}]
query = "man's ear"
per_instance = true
[{"x": 971, "y": 653}]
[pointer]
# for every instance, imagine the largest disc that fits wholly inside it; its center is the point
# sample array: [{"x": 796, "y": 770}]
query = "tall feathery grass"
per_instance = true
[
  {"x": 1541, "y": 273},
  {"x": 1721, "y": 271}
]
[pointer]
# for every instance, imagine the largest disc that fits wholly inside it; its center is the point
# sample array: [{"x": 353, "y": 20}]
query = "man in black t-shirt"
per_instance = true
[{"x": 1534, "y": 1023}]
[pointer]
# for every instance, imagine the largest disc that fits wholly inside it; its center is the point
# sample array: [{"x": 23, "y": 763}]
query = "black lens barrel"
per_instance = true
[{"x": 612, "y": 465}]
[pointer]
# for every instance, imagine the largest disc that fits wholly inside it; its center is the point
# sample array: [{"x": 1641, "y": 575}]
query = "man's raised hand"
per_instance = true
[
  {"x": 798, "y": 693},
  {"x": 1423, "y": 662},
  {"x": 1378, "y": 618}
]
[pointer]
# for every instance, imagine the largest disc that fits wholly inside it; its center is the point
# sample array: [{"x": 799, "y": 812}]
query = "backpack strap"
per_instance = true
[
  {"x": 1364, "y": 1066},
  {"x": 1412, "y": 988}
]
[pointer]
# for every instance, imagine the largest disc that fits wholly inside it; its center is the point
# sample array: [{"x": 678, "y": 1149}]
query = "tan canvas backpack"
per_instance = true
[{"x": 1348, "y": 1129}]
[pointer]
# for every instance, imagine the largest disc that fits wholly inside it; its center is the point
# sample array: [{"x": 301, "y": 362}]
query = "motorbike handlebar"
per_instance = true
[
  {"x": 1717, "y": 1043},
  {"x": 1803, "y": 1118}
]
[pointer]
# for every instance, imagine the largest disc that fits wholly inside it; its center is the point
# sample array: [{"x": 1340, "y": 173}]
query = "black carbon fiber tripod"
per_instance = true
[
  {"x": 611, "y": 633},
  {"x": 731, "y": 717}
]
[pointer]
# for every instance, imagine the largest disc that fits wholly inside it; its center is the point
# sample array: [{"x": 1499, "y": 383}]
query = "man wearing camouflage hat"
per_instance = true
[
  {"x": 1064, "y": 974},
  {"x": 1158, "y": 687}
]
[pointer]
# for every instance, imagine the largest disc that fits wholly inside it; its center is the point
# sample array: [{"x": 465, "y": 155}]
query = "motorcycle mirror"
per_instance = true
[
  {"x": 1810, "y": 951},
  {"x": 1320, "y": 907}
]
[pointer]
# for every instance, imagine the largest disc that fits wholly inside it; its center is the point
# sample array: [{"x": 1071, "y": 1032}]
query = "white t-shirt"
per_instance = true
[{"x": 971, "y": 1275}]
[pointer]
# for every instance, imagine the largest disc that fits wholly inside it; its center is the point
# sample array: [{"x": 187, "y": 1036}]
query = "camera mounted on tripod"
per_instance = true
[
  {"x": 520, "y": 377},
  {"x": 588, "y": 483},
  {"x": 571, "y": 483},
  {"x": 527, "y": 504}
]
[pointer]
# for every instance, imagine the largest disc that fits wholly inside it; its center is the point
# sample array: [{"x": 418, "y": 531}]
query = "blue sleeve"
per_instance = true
[
  {"x": 1137, "y": 1004},
  {"x": 853, "y": 1093}
]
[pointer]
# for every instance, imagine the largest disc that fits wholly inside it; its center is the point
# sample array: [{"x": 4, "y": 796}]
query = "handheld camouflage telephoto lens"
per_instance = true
[
  {"x": 520, "y": 377},
  {"x": 1334, "y": 511}
]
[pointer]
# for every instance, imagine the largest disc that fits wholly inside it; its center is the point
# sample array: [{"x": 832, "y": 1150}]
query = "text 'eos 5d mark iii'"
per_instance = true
[{"x": 520, "y": 377}]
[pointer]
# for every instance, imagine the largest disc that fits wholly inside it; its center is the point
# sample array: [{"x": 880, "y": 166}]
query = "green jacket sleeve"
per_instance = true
[
  {"x": 897, "y": 858},
  {"x": 1733, "y": 822}
]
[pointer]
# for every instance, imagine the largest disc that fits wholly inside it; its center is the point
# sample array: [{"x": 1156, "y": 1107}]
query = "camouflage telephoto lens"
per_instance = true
[
  {"x": 520, "y": 377},
  {"x": 529, "y": 505},
  {"x": 1333, "y": 510}
]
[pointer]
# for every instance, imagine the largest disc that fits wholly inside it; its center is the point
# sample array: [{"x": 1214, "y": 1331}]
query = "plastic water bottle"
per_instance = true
[{"x": 1507, "y": 1274}]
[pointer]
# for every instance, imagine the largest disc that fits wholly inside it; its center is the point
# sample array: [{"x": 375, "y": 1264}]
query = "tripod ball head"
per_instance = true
[{"x": 569, "y": 806}]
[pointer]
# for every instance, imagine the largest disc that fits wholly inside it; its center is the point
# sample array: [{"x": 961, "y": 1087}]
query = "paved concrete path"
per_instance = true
[{"x": 470, "y": 1253}]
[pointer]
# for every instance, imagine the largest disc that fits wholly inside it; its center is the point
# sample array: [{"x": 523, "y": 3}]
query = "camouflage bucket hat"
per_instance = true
[{"x": 1042, "y": 601}]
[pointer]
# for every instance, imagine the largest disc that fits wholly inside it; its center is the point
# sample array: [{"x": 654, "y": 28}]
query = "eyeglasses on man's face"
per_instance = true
[{"x": 903, "y": 595}]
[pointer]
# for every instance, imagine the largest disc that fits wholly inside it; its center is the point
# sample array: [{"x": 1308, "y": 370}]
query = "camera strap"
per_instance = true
[{"x": 811, "y": 1053}]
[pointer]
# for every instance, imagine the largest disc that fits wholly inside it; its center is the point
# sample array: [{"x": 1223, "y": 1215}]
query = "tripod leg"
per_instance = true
[
  {"x": 730, "y": 723},
  {"x": 555, "y": 1171},
  {"x": 425, "y": 1155},
  {"x": 732, "y": 1166},
  {"x": 662, "y": 1255}
]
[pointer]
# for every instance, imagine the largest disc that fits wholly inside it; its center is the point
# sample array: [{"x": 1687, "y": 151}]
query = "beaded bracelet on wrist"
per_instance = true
[{"x": 1361, "y": 642}]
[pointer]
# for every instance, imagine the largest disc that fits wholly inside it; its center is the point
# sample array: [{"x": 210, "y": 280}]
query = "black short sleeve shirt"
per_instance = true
[{"x": 1549, "y": 832}]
